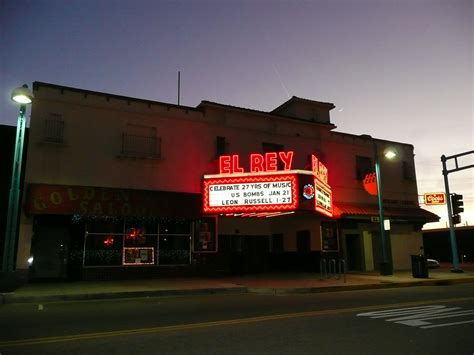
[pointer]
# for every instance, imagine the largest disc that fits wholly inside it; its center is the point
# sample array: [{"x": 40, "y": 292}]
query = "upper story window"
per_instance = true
[
  {"x": 272, "y": 147},
  {"x": 364, "y": 166},
  {"x": 222, "y": 146},
  {"x": 408, "y": 171},
  {"x": 53, "y": 129},
  {"x": 141, "y": 141}
]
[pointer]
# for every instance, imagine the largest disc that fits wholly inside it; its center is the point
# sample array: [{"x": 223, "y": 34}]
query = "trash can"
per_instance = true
[{"x": 419, "y": 266}]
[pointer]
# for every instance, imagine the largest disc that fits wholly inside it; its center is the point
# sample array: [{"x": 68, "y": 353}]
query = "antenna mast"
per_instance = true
[{"x": 179, "y": 85}]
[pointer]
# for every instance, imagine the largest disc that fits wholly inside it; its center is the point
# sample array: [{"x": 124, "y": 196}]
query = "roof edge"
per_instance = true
[
  {"x": 265, "y": 113},
  {"x": 330, "y": 105},
  {"x": 38, "y": 84}
]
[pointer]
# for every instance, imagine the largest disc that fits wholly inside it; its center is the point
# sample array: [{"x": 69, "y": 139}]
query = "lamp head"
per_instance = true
[
  {"x": 390, "y": 153},
  {"x": 22, "y": 95}
]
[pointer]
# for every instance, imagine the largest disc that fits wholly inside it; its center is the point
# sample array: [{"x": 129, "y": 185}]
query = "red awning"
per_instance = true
[
  {"x": 342, "y": 209},
  {"x": 104, "y": 201}
]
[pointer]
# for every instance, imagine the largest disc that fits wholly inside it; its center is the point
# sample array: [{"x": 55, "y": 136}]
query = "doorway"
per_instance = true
[
  {"x": 353, "y": 252},
  {"x": 50, "y": 249}
]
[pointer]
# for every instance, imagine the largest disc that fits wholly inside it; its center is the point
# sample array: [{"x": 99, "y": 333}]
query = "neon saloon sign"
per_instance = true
[{"x": 271, "y": 185}]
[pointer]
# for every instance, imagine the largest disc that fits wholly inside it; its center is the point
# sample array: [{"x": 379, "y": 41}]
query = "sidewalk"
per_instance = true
[{"x": 269, "y": 283}]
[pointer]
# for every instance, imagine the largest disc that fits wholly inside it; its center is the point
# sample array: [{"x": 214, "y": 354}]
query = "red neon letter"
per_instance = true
[
  {"x": 225, "y": 164},
  {"x": 323, "y": 172},
  {"x": 256, "y": 163},
  {"x": 314, "y": 164},
  {"x": 235, "y": 163},
  {"x": 271, "y": 161},
  {"x": 287, "y": 159}
]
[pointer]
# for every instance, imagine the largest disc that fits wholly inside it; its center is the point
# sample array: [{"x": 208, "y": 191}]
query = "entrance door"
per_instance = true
[
  {"x": 49, "y": 248},
  {"x": 304, "y": 259},
  {"x": 174, "y": 250},
  {"x": 353, "y": 252},
  {"x": 246, "y": 253}
]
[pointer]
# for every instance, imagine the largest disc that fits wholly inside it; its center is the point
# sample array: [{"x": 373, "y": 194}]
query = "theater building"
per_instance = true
[{"x": 119, "y": 187}]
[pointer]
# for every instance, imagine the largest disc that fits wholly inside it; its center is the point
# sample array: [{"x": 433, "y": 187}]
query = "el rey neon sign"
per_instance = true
[
  {"x": 230, "y": 164},
  {"x": 270, "y": 185}
]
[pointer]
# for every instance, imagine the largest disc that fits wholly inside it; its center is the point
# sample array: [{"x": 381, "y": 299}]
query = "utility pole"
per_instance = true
[{"x": 452, "y": 233}]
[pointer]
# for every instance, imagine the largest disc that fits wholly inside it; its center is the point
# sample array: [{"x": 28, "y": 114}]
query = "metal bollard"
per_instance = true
[
  {"x": 342, "y": 268},
  {"x": 332, "y": 268},
  {"x": 323, "y": 271}
]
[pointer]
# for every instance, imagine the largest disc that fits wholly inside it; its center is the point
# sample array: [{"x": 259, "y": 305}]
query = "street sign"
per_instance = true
[{"x": 435, "y": 198}]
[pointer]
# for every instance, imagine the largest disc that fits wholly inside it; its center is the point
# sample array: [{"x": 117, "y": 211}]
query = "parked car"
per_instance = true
[{"x": 432, "y": 263}]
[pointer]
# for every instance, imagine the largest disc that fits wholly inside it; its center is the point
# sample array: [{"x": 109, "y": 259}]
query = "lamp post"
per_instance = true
[
  {"x": 23, "y": 96},
  {"x": 385, "y": 265}
]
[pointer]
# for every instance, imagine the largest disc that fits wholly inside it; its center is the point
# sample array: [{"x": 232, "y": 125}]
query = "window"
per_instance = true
[
  {"x": 103, "y": 243},
  {"x": 141, "y": 141},
  {"x": 222, "y": 146},
  {"x": 364, "y": 166},
  {"x": 137, "y": 242},
  {"x": 272, "y": 147},
  {"x": 408, "y": 171},
  {"x": 53, "y": 130}
]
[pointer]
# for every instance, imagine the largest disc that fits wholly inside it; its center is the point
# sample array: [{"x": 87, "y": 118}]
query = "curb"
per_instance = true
[
  {"x": 369, "y": 286},
  {"x": 11, "y": 298}
]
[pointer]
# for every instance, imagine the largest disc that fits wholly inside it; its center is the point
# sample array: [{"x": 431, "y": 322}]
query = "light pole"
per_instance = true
[
  {"x": 386, "y": 267},
  {"x": 23, "y": 96}
]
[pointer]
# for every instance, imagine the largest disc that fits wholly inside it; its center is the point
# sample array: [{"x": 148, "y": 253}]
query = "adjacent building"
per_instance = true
[{"x": 120, "y": 187}]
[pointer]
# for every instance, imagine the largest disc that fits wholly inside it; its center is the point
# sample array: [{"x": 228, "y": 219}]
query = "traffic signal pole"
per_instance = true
[{"x": 452, "y": 233}]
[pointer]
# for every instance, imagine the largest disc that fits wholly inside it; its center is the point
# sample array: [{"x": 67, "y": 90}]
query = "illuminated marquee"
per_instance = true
[
  {"x": 270, "y": 186},
  {"x": 323, "y": 200},
  {"x": 251, "y": 194}
]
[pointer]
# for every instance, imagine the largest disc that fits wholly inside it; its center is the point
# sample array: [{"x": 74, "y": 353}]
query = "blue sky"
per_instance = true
[{"x": 395, "y": 69}]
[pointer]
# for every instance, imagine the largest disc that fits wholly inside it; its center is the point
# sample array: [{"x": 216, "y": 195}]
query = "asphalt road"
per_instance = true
[{"x": 412, "y": 320}]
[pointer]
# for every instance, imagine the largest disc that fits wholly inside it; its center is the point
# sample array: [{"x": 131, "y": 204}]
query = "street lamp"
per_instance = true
[
  {"x": 23, "y": 96},
  {"x": 385, "y": 265}
]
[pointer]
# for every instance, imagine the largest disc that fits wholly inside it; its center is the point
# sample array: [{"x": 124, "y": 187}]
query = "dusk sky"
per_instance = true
[{"x": 399, "y": 70}]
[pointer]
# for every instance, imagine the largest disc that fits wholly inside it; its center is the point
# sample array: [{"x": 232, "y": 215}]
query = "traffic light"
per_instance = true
[
  {"x": 456, "y": 219},
  {"x": 457, "y": 205}
]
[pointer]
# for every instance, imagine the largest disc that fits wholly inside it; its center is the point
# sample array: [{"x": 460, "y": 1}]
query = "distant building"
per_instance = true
[
  {"x": 437, "y": 243},
  {"x": 119, "y": 187}
]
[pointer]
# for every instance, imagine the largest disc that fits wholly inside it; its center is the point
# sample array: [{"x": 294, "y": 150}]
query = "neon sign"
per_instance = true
[
  {"x": 323, "y": 200},
  {"x": 250, "y": 194},
  {"x": 230, "y": 164},
  {"x": 270, "y": 186},
  {"x": 308, "y": 191}
]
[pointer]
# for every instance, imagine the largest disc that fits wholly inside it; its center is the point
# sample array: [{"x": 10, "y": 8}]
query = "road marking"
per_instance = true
[
  {"x": 192, "y": 326},
  {"x": 447, "y": 324},
  {"x": 421, "y": 316}
]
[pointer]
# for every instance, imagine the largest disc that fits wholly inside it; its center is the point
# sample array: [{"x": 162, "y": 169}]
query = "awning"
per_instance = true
[
  {"x": 105, "y": 201},
  {"x": 343, "y": 209}
]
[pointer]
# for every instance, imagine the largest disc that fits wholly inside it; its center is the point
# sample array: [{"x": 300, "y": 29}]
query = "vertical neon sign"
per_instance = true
[{"x": 323, "y": 200}]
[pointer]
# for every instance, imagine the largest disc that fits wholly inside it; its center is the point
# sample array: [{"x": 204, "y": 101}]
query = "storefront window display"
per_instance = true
[
  {"x": 174, "y": 243},
  {"x": 205, "y": 239},
  {"x": 133, "y": 242},
  {"x": 103, "y": 243}
]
